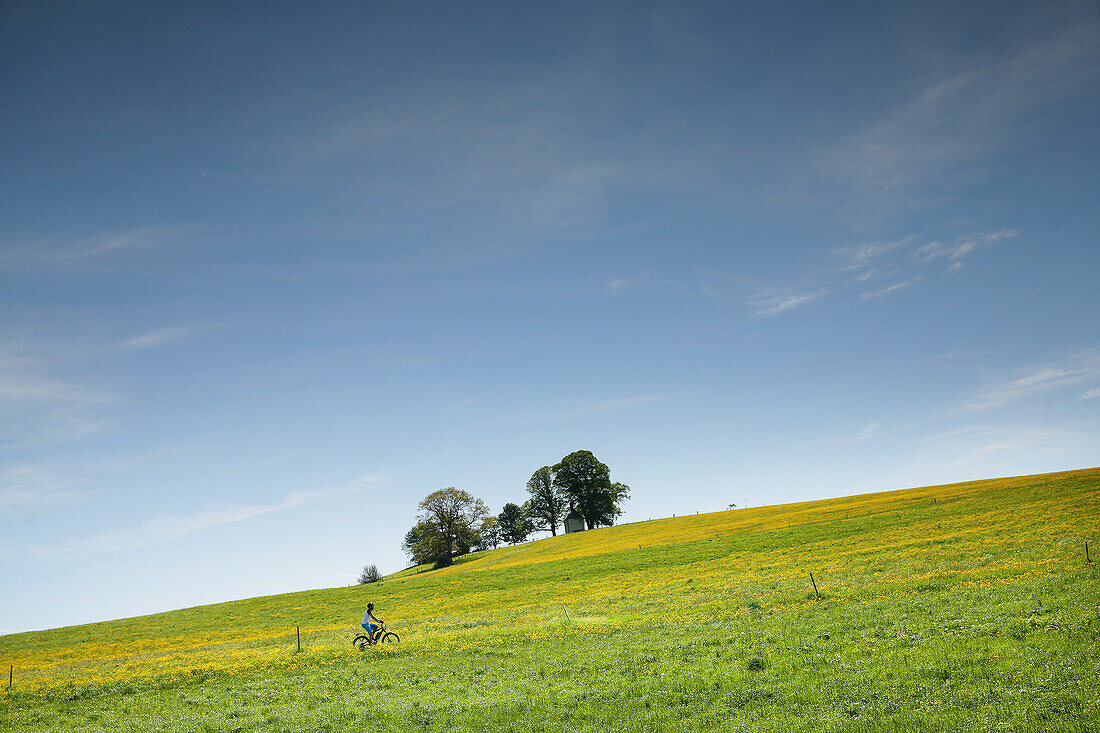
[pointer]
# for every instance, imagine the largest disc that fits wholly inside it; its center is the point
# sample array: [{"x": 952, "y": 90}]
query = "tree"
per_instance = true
[
  {"x": 620, "y": 492},
  {"x": 419, "y": 544},
  {"x": 488, "y": 534},
  {"x": 370, "y": 574},
  {"x": 547, "y": 506},
  {"x": 535, "y": 523},
  {"x": 514, "y": 526},
  {"x": 586, "y": 484},
  {"x": 446, "y": 527}
]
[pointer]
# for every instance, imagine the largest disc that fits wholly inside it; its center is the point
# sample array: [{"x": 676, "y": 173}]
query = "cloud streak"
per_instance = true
[
  {"x": 160, "y": 336},
  {"x": 871, "y": 430},
  {"x": 1073, "y": 372},
  {"x": 479, "y": 175},
  {"x": 957, "y": 251},
  {"x": 894, "y": 266},
  {"x": 964, "y": 115},
  {"x": 49, "y": 253},
  {"x": 994, "y": 447},
  {"x": 41, "y": 485},
  {"x": 772, "y": 303},
  {"x": 159, "y": 530},
  {"x": 36, "y": 487},
  {"x": 36, "y": 407},
  {"x": 15, "y": 389},
  {"x": 885, "y": 291},
  {"x": 612, "y": 405}
]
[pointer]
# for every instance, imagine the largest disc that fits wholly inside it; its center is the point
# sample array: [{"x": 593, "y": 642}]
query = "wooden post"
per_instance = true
[
  {"x": 1087, "y": 558},
  {"x": 298, "y": 630},
  {"x": 11, "y": 675},
  {"x": 815, "y": 584},
  {"x": 566, "y": 613}
]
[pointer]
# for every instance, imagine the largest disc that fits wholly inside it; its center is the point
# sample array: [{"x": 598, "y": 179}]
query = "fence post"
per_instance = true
[
  {"x": 298, "y": 630},
  {"x": 815, "y": 585},
  {"x": 1087, "y": 558}
]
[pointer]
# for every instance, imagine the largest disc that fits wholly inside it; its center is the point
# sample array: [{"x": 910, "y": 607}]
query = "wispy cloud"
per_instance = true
[
  {"x": 871, "y": 430},
  {"x": 500, "y": 168},
  {"x": 884, "y": 291},
  {"x": 770, "y": 303},
  {"x": 40, "y": 400},
  {"x": 956, "y": 251},
  {"x": 1072, "y": 372},
  {"x": 865, "y": 256},
  {"x": 616, "y": 404},
  {"x": 66, "y": 252},
  {"x": 31, "y": 485},
  {"x": 622, "y": 283},
  {"x": 893, "y": 266},
  {"x": 35, "y": 406},
  {"x": 591, "y": 408},
  {"x": 160, "y": 336},
  {"x": 648, "y": 279},
  {"x": 36, "y": 487},
  {"x": 14, "y": 388},
  {"x": 159, "y": 530},
  {"x": 994, "y": 448},
  {"x": 973, "y": 108}
]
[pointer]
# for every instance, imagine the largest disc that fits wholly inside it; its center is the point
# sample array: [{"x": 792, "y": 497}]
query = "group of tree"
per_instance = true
[
  {"x": 584, "y": 484},
  {"x": 451, "y": 522}
]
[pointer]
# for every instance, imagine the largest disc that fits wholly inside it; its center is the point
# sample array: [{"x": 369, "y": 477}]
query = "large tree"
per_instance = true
[
  {"x": 488, "y": 534},
  {"x": 419, "y": 545},
  {"x": 446, "y": 527},
  {"x": 585, "y": 482},
  {"x": 514, "y": 524},
  {"x": 546, "y": 507}
]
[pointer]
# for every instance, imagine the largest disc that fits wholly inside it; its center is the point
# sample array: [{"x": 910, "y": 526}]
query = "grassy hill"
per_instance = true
[{"x": 960, "y": 607}]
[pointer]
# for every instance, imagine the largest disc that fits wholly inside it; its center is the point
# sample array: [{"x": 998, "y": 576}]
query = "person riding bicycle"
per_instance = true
[{"x": 371, "y": 623}]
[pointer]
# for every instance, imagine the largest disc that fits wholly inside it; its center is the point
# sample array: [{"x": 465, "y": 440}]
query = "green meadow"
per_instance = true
[{"x": 967, "y": 607}]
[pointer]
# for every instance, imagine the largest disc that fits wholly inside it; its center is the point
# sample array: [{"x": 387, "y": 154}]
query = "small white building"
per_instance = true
[{"x": 574, "y": 522}]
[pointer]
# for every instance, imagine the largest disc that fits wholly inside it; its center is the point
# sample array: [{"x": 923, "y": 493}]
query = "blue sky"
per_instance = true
[{"x": 270, "y": 273}]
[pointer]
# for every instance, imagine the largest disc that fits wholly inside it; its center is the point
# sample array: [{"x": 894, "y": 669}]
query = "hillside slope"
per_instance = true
[{"x": 935, "y": 604}]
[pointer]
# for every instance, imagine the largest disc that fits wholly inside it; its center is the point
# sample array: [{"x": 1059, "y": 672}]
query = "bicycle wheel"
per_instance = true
[
  {"x": 361, "y": 641},
  {"x": 389, "y": 637}
]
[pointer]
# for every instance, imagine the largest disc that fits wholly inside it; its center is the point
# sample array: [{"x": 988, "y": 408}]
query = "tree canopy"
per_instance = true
[
  {"x": 547, "y": 507},
  {"x": 585, "y": 483},
  {"x": 447, "y": 526},
  {"x": 488, "y": 534},
  {"x": 514, "y": 524}
]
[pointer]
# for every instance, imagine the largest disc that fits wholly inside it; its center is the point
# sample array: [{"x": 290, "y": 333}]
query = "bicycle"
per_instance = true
[{"x": 362, "y": 641}]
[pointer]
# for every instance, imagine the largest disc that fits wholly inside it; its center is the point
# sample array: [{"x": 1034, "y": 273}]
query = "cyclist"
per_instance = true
[{"x": 371, "y": 622}]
